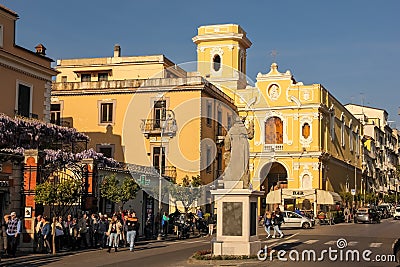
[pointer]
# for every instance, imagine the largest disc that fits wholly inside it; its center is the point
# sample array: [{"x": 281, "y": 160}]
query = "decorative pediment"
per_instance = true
[{"x": 274, "y": 74}]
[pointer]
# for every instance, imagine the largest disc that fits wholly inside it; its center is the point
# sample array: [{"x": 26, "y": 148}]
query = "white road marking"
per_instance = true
[
  {"x": 375, "y": 245},
  {"x": 352, "y": 243},
  {"x": 292, "y": 240},
  {"x": 330, "y": 242},
  {"x": 311, "y": 241}
]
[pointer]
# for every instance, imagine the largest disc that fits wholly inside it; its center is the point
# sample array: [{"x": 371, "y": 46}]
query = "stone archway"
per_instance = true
[{"x": 274, "y": 176}]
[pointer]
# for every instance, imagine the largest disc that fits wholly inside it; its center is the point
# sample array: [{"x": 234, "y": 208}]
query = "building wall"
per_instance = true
[
  {"x": 118, "y": 68},
  {"x": 21, "y": 66}
]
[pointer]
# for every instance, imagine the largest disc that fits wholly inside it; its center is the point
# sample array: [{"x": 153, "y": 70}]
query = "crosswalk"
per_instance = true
[{"x": 285, "y": 242}]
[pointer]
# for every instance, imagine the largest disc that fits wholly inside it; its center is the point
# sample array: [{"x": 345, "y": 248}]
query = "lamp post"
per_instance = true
[
  {"x": 395, "y": 184},
  {"x": 172, "y": 128},
  {"x": 363, "y": 186}
]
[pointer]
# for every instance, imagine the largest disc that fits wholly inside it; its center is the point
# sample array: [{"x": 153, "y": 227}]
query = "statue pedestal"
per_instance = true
[{"x": 237, "y": 222}]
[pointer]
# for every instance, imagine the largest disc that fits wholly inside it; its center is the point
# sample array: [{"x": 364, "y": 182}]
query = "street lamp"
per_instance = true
[
  {"x": 395, "y": 184},
  {"x": 363, "y": 172},
  {"x": 170, "y": 116}
]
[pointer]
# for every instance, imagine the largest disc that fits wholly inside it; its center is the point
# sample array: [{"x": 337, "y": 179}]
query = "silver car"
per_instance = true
[{"x": 293, "y": 219}]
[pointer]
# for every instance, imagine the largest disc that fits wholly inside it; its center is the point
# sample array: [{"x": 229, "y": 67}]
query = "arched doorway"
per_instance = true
[{"x": 274, "y": 176}]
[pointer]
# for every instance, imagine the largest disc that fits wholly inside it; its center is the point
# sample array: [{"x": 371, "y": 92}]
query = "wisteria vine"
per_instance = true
[{"x": 30, "y": 133}]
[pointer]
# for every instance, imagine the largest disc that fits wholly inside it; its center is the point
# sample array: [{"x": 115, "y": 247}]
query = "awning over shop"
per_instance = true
[
  {"x": 274, "y": 197},
  {"x": 322, "y": 196},
  {"x": 327, "y": 197}
]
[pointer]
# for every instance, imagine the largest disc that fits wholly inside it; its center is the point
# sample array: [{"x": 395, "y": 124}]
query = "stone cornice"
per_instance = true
[
  {"x": 240, "y": 37},
  {"x": 26, "y": 67}
]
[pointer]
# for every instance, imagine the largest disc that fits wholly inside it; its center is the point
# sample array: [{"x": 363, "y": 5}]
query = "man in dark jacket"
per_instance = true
[
  {"x": 131, "y": 227},
  {"x": 102, "y": 229},
  {"x": 46, "y": 233}
]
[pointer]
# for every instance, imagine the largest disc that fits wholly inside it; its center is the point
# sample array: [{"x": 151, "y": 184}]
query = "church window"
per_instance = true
[
  {"x": 305, "y": 131},
  {"x": 274, "y": 131},
  {"x": 217, "y": 62}
]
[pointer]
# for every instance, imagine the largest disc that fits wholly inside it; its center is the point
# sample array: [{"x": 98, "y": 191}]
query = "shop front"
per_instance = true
[{"x": 311, "y": 200}]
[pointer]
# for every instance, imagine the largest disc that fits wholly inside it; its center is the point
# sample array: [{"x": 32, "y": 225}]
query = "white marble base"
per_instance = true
[{"x": 236, "y": 241}]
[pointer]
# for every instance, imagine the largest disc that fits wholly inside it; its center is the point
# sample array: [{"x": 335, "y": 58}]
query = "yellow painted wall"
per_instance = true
[{"x": 21, "y": 66}]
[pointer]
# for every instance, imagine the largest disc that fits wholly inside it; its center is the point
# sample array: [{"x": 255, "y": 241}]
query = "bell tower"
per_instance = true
[{"x": 221, "y": 54}]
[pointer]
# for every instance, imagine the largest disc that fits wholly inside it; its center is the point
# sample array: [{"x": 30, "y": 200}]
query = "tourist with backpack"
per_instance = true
[
  {"x": 277, "y": 220},
  {"x": 268, "y": 223}
]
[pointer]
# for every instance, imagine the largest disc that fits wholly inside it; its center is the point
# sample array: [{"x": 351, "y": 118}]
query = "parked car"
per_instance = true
[
  {"x": 367, "y": 215},
  {"x": 293, "y": 219},
  {"x": 396, "y": 214},
  {"x": 384, "y": 211}
]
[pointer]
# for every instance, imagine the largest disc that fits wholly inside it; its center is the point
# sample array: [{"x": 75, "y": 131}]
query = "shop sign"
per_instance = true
[{"x": 298, "y": 193}]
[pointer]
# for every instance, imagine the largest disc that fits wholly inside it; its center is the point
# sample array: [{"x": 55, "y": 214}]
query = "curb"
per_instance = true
[{"x": 31, "y": 256}]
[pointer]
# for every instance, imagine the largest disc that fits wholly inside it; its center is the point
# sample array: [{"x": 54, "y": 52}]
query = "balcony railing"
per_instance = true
[
  {"x": 168, "y": 172},
  {"x": 151, "y": 127},
  {"x": 113, "y": 84},
  {"x": 221, "y": 133},
  {"x": 273, "y": 147}
]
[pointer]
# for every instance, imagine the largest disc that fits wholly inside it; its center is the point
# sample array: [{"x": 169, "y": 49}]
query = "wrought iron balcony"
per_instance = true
[
  {"x": 221, "y": 133},
  {"x": 168, "y": 172},
  {"x": 156, "y": 127}
]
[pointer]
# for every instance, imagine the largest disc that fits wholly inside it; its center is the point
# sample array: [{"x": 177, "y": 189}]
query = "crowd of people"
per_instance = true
[
  {"x": 74, "y": 233},
  {"x": 101, "y": 231}
]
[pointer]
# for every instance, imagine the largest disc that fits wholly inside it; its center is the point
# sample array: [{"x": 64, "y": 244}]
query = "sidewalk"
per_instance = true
[{"x": 23, "y": 256}]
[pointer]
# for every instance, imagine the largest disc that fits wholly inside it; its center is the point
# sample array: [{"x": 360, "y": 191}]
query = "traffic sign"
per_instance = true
[{"x": 353, "y": 192}]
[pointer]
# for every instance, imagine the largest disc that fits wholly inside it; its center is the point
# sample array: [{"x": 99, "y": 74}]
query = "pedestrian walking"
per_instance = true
[
  {"x": 67, "y": 231},
  {"x": 268, "y": 223},
  {"x": 59, "y": 233},
  {"x": 346, "y": 213},
  {"x": 46, "y": 233},
  {"x": 277, "y": 221},
  {"x": 95, "y": 228},
  {"x": 211, "y": 222},
  {"x": 102, "y": 231},
  {"x": 13, "y": 233},
  {"x": 74, "y": 233},
  {"x": 165, "y": 223},
  {"x": 114, "y": 230},
  {"x": 131, "y": 231},
  {"x": 4, "y": 227},
  {"x": 84, "y": 231},
  {"x": 37, "y": 235}
]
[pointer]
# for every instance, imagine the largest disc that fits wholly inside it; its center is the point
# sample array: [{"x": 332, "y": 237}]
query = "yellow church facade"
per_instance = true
[{"x": 304, "y": 138}]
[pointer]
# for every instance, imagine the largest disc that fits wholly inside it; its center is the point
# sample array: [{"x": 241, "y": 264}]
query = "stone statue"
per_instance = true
[{"x": 237, "y": 154}]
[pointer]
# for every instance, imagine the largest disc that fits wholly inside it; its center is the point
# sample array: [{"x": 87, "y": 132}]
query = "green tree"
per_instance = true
[
  {"x": 371, "y": 198},
  {"x": 347, "y": 197},
  {"x": 113, "y": 191},
  {"x": 389, "y": 198},
  {"x": 187, "y": 192},
  {"x": 59, "y": 196}
]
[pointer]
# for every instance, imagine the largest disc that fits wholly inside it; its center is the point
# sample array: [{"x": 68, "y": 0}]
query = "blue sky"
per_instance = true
[{"x": 351, "y": 47}]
